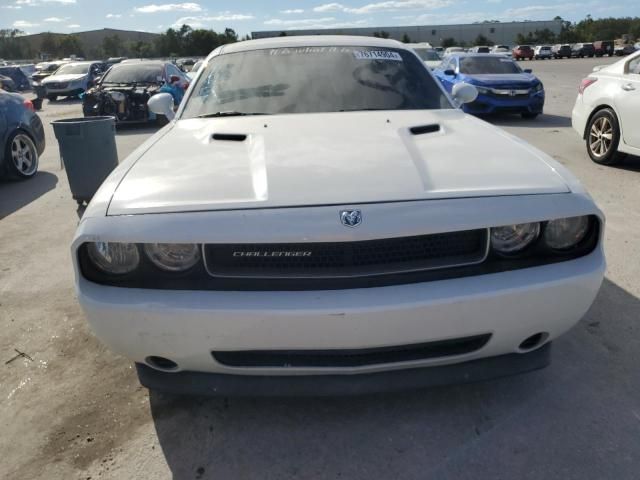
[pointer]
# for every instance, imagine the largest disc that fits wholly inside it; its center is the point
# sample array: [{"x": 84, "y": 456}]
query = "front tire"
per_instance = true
[
  {"x": 52, "y": 98},
  {"x": 602, "y": 137},
  {"x": 21, "y": 156}
]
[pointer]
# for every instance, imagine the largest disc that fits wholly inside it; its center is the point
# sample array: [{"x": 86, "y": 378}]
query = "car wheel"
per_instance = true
[
  {"x": 603, "y": 135},
  {"x": 21, "y": 156},
  {"x": 529, "y": 115},
  {"x": 52, "y": 98}
]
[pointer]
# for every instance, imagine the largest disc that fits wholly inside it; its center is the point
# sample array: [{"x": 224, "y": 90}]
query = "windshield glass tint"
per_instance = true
[
  {"x": 427, "y": 55},
  {"x": 134, "y": 73},
  {"x": 314, "y": 79},
  {"x": 73, "y": 69},
  {"x": 480, "y": 65}
]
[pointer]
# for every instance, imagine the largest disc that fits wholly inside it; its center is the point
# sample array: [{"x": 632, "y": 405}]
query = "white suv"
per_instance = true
[{"x": 542, "y": 52}]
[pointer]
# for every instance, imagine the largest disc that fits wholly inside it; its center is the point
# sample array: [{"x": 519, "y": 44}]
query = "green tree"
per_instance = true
[
  {"x": 406, "y": 39},
  {"x": 49, "y": 44},
  {"x": 448, "y": 42},
  {"x": 70, "y": 45},
  {"x": 482, "y": 40},
  {"x": 112, "y": 46}
]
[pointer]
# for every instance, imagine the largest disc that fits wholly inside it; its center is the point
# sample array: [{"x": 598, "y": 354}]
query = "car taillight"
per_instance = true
[
  {"x": 585, "y": 83},
  {"x": 29, "y": 105}
]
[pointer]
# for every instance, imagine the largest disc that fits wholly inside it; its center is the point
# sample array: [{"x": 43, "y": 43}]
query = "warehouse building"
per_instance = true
[{"x": 497, "y": 32}]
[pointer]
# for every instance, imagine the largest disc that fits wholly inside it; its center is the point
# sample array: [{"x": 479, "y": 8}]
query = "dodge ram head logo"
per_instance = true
[{"x": 351, "y": 218}]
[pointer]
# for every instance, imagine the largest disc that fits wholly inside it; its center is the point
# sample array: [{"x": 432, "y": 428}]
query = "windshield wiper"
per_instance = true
[{"x": 231, "y": 113}]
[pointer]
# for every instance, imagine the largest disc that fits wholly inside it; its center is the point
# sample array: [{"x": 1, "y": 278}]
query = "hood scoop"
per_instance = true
[
  {"x": 229, "y": 137},
  {"x": 423, "y": 129}
]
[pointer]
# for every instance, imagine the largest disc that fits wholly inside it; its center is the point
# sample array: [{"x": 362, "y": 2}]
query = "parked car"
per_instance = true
[
  {"x": 28, "y": 70},
  {"x": 542, "y": 52},
  {"x": 72, "y": 79},
  {"x": 196, "y": 68},
  {"x": 561, "y": 51},
  {"x": 624, "y": 45},
  {"x": 44, "y": 70},
  {"x": 582, "y": 50},
  {"x": 123, "y": 92},
  {"x": 480, "y": 49},
  {"x": 451, "y": 50},
  {"x": 501, "y": 49},
  {"x": 522, "y": 52},
  {"x": 440, "y": 50},
  {"x": 502, "y": 85},
  {"x": 20, "y": 80},
  {"x": 607, "y": 111},
  {"x": 7, "y": 84},
  {"x": 113, "y": 61},
  {"x": 428, "y": 55},
  {"x": 22, "y": 138},
  {"x": 602, "y": 48},
  {"x": 391, "y": 242}
]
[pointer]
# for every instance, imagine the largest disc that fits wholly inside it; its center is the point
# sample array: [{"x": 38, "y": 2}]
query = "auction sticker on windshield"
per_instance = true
[{"x": 377, "y": 55}]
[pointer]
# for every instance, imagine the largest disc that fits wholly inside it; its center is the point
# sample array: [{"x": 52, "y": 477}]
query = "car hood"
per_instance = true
[
  {"x": 495, "y": 79},
  {"x": 329, "y": 159},
  {"x": 70, "y": 77}
]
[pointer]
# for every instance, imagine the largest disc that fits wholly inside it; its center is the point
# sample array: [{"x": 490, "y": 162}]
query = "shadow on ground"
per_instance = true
[
  {"x": 15, "y": 195},
  {"x": 630, "y": 163},
  {"x": 580, "y": 416},
  {"x": 543, "y": 121}
]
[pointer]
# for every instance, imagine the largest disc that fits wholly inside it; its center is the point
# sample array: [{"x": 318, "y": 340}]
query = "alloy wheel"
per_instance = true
[
  {"x": 601, "y": 137},
  {"x": 24, "y": 155}
]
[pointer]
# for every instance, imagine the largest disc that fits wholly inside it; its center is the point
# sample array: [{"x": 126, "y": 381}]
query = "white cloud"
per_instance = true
[
  {"x": 24, "y": 24},
  {"x": 73, "y": 25},
  {"x": 114, "y": 15},
  {"x": 388, "y": 6},
  {"x": 316, "y": 23},
  {"x": 35, "y": 3},
  {"x": 170, "y": 7},
  {"x": 292, "y": 11},
  {"x": 55, "y": 19},
  {"x": 12, "y": 7},
  {"x": 200, "y": 21}
]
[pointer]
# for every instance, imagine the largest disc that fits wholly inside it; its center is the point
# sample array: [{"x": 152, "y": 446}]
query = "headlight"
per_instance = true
[
  {"x": 482, "y": 90},
  {"x": 514, "y": 238},
  {"x": 538, "y": 88},
  {"x": 173, "y": 257},
  {"x": 566, "y": 232},
  {"x": 114, "y": 258}
]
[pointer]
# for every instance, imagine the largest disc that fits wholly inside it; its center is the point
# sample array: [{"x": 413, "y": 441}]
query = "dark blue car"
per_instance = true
[
  {"x": 21, "y": 137},
  {"x": 502, "y": 85}
]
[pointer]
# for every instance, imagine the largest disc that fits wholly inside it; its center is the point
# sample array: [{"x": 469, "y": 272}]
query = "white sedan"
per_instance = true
[
  {"x": 607, "y": 111},
  {"x": 319, "y": 219}
]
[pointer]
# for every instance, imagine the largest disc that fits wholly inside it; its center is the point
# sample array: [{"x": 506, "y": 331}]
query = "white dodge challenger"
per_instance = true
[{"x": 319, "y": 218}]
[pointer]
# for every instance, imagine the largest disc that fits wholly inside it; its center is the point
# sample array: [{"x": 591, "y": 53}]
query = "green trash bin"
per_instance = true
[{"x": 88, "y": 151}]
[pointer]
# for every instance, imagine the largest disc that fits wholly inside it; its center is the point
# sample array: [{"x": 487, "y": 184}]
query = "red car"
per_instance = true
[{"x": 521, "y": 52}]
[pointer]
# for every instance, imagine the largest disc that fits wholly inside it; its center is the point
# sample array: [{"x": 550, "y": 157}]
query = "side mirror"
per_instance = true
[
  {"x": 449, "y": 72},
  {"x": 528, "y": 70},
  {"x": 162, "y": 104},
  {"x": 464, "y": 93}
]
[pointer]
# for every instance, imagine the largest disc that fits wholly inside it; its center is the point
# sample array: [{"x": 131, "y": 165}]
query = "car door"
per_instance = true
[{"x": 628, "y": 103}]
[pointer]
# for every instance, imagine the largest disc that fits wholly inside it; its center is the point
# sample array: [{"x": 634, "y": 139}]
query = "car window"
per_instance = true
[
  {"x": 482, "y": 65},
  {"x": 134, "y": 73},
  {"x": 427, "y": 54},
  {"x": 73, "y": 69},
  {"x": 315, "y": 79},
  {"x": 634, "y": 66}
]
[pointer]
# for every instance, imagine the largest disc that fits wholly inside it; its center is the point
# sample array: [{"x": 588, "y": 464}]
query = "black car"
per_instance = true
[
  {"x": 7, "y": 84},
  {"x": 123, "y": 92},
  {"x": 603, "y": 48},
  {"x": 45, "y": 69},
  {"x": 561, "y": 51},
  {"x": 583, "y": 50},
  {"x": 21, "y": 137},
  {"x": 20, "y": 80}
]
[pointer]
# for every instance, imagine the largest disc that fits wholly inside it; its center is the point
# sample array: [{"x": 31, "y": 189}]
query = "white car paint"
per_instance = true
[
  {"x": 616, "y": 87},
  {"x": 73, "y": 82},
  {"x": 287, "y": 183}
]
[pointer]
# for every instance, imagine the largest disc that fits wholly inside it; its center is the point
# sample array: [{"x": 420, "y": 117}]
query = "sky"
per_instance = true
[{"x": 245, "y": 16}]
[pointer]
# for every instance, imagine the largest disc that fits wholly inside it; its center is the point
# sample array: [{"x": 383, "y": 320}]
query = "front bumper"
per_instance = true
[
  {"x": 67, "y": 92},
  {"x": 198, "y": 383},
  {"x": 487, "y": 104},
  {"x": 186, "y": 326}
]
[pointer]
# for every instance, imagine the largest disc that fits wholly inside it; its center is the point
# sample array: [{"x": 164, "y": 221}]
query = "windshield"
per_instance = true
[
  {"x": 427, "y": 55},
  {"x": 314, "y": 79},
  {"x": 73, "y": 69},
  {"x": 134, "y": 73},
  {"x": 480, "y": 65}
]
